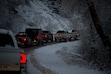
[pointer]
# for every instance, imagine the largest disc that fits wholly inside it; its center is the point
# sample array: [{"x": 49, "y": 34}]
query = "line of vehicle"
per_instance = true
[{"x": 30, "y": 49}]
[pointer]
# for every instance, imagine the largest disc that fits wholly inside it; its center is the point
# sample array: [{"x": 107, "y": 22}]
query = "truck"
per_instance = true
[
  {"x": 48, "y": 36},
  {"x": 74, "y": 35},
  {"x": 61, "y": 35},
  {"x": 13, "y": 59},
  {"x": 23, "y": 40},
  {"x": 36, "y": 35}
]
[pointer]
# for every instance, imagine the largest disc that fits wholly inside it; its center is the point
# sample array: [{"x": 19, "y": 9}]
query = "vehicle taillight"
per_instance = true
[
  {"x": 38, "y": 37},
  {"x": 23, "y": 59},
  {"x": 24, "y": 39},
  {"x": 20, "y": 34}
]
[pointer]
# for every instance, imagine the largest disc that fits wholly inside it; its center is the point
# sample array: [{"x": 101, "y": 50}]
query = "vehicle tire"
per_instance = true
[
  {"x": 51, "y": 40},
  {"x": 55, "y": 40},
  {"x": 26, "y": 46},
  {"x": 25, "y": 71},
  {"x": 19, "y": 72},
  {"x": 47, "y": 40},
  {"x": 40, "y": 42}
]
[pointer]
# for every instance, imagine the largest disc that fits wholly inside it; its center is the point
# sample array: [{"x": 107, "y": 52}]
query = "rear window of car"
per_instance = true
[
  {"x": 21, "y": 35},
  {"x": 6, "y": 39},
  {"x": 33, "y": 31},
  {"x": 45, "y": 32},
  {"x": 60, "y": 31}
]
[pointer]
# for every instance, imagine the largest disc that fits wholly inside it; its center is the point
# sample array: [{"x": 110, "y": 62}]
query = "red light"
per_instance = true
[
  {"x": 23, "y": 58},
  {"x": 20, "y": 34},
  {"x": 24, "y": 39},
  {"x": 38, "y": 37}
]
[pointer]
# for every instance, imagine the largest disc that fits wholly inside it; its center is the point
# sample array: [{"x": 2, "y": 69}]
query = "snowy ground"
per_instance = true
[{"x": 54, "y": 59}]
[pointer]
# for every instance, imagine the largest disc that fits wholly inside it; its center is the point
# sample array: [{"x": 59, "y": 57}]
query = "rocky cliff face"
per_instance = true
[
  {"x": 73, "y": 9},
  {"x": 8, "y": 11}
]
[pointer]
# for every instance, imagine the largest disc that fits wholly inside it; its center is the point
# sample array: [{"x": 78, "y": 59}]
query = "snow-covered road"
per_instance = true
[{"x": 49, "y": 60}]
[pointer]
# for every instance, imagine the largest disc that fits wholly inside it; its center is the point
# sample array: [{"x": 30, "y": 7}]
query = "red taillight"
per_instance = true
[
  {"x": 23, "y": 59},
  {"x": 24, "y": 39},
  {"x": 20, "y": 34},
  {"x": 38, "y": 37}
]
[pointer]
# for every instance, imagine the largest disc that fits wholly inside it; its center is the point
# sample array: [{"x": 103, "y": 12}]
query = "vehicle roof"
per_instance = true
[{"x": 21, "y": 33}]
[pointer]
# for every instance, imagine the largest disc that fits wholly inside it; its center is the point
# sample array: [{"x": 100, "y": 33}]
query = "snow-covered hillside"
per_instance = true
[{"x": 38, "y": 15}]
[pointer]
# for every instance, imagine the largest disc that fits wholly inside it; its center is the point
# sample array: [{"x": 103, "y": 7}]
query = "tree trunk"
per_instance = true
[{"x": 97, "y": 25}]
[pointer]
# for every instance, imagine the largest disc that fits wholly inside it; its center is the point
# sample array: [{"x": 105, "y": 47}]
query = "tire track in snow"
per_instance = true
[{"x": 38, "y": 66}]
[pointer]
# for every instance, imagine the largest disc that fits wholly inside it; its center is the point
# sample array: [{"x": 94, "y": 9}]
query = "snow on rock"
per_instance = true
[{"x": 40, "y": 16}]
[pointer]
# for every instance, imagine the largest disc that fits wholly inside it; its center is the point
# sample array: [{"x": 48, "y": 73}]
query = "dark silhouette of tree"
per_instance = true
[{"x": 100, "y": 31}]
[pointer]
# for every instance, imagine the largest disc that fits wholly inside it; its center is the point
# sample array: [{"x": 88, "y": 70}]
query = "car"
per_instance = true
[
  {"x": 23, "y": 39},
  {"x": 61, "y": 35},
  {"x": 13, "y": 59},
  {"x": 48, "y": 36},
  {"x": 76, "y": 33},
  {"x": 36, "y": 35}
]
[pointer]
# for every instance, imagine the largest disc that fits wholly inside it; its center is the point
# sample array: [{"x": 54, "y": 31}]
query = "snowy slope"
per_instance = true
[{"x": 40, "y": 16}]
